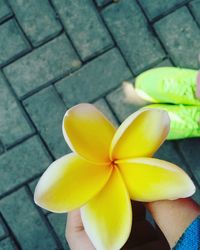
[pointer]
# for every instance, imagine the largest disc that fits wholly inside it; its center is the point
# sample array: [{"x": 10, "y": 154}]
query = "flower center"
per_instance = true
[{"x": 113, "y": 163}]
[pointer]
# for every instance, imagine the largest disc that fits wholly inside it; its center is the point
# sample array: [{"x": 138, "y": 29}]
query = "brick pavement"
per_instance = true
[{"x": 57, "y": 53}]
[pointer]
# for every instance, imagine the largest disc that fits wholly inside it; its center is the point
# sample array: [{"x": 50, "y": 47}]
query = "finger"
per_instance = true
[
  {"x": 75, "y": 233},
  {"x": 74, "y": 222},
  {"x": 179, "y": 213}
]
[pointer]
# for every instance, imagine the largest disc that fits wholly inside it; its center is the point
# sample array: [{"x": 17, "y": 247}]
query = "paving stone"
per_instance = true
[
  {"x": 10, "y": 117},
  {"x": 29, "y": 229},
  {"x": 32, "y": 186},
  {"x": 7, "y": 244},
  {"x": 58, "y": 221},
  {"x": 168, "y": 152},
  {"x": 37, "y": 19},
  {"x": 133, "y": 35},
  {"x": 89, "y": 35},
  {"x": 158, "y": 7},
  {"x": 12, "y": 41},
  {"x": 47, "y": 110},
  {"x": 180, "y": 35},
  {"x": 94, "y": 79},
  {"x": 165, "y": 63},
  {"x": 45, "y": 64},
  {"x": 101, "y": 3},
  {"x": 3, "y": 231},
  {"x": 196, "y": 196},
  {"x": 124, "y": 101},
  {"x": 103, "y": 107},
  {"x": 190, "y": 149},
  {"x": 195, "y": 6},
  {"x": 5, "y": 11},
  {"x": 1, "y": 148},
  {"x": 22, "y": 163}
]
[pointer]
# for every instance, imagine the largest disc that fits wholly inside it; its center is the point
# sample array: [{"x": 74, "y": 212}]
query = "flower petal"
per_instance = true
[
  {"x": 150, "y": 179},
  {"x": 88, "y": 132},
  {"x": 69, "y": 182},
  {"x": 141, "y": 134},
  {"x": 107, "y": 218}
]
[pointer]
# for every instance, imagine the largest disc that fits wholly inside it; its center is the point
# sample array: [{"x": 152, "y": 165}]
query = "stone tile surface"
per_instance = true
[
  {"x": 190, "y": 151},
  {"x": 58, "y": 222},
  {"x": 12, "y": 41},
  {"x": 158, "y": 7},
  {"x": 194, "y": 7},
  {"x": 180, "y": 35},
  {"x": 33, "y": 16},
  {"x": 3, "y": 231},
  {"x": 104, "y": 108},
  {"x": 46, "y": 110},
  {"x": 11, "y": 116},
  {"x": 94, "y": 79},
  {"x": 20, "y": 212},
  {"x": 132, "y": 33},
  {"x": 124, "y": 101},
  {"x": 7, "y": 244},
  {"x": 57, "y": 53},
  {"x": 5, "y": 11},
  {"x": 22, "y": 162},
  {"x": 44, "y": 64},
  {"x": 87, "y": 32},
  {"x": 32, "y": 186},
  {"x": 101, "y": 3}
]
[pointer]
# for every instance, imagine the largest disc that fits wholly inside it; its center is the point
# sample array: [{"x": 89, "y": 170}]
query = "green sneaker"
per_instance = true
[
  {"x": 169, "y": 85},
  {"x": 185, "y": 120}
]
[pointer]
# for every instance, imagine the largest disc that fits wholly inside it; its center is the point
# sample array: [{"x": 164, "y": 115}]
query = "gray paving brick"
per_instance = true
[
  {"x": 94, "y": 79},
  {"x": 195, "y": 6},
  {"x": 4, "y": 10},
  {"x": 37, "y": 19},
  {"x": 7, "y": 244},
  {"x": 87, "y": 32},
  {"x": 32, "y": 186},
  {"x": 190, "y": 149},
  {"x": 3, "y": 231},
  {"x": 12, "y": 41},
  {"x": 58, "y": 221},
  {"x": 47, "y": 63},
  {"x": 196, "y": 196},
  {"x": 124, "y": 102},
  {"x": 10, "y": 117},
  {"x": 180, "y": 36},
  {"x": 101, "y": 3},
  {"x": 168, "y": 152},
  {"x": 47, "y": 110},
  {"x": 158, "y": 7},
  {"x": 164, "y": 63},
  {"x": 27, "y": 225},
  {"x": 1, "y": 148},
  {"x": 132, "y": 34},
  {"x": 22, "y": 163},
  {"x": 103, "y": 107}
]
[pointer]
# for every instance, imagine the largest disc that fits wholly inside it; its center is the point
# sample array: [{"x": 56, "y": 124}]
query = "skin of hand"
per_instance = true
[
  {"x": 172, "y": 217},
  {"x": 75, "y": 233}
]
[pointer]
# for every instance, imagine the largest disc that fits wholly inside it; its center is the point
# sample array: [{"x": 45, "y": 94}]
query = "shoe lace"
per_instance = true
[
  {"x": 181, "y": 87},
  {"x": 191, "y": 117}
]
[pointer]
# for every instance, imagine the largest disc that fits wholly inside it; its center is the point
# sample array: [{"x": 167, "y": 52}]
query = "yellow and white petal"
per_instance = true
[
  {"x": 140, "y": 135},
  {"x": 107, "y": 218},
  {"x": 70, "y": 182},
  {"x": 88, "y": 132},
  {"x": 150, "y": 179}
]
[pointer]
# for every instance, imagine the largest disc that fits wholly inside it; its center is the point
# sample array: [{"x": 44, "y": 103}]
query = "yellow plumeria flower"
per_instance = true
[{"x": 107, "y": 168}]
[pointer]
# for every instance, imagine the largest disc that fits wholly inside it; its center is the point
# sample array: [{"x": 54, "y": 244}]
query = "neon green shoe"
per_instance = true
[
  {"x": 185, "y": 120},
  {"x": 169, "y": 85}
]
